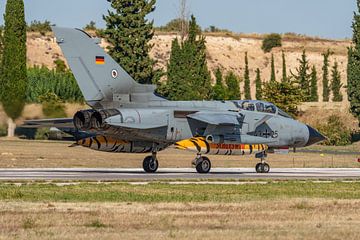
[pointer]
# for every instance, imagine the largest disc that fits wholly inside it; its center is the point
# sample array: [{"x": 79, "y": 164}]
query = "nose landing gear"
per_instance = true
[{"x": 262, "y": 167}]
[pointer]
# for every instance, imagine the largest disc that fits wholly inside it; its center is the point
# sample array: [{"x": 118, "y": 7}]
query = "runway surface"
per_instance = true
[{"x": 173, "y": 174}]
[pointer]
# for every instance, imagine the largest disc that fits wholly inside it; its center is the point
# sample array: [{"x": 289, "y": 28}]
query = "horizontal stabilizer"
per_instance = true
[
  {"x": 138, "y": 126},
  {"x": 48, "y": 123}
]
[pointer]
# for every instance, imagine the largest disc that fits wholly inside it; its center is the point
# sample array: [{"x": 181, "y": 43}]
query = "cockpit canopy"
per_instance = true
[{"x": 260, "y": 106}]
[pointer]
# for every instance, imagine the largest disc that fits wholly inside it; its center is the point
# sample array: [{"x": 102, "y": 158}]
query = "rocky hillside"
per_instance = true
[{"x": 225, "y": 51}]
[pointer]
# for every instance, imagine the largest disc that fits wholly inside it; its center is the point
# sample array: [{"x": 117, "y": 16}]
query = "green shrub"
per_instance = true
[
  {"x": 214, "y": 29},
  {"x": 3, "y": 131},
  {"x": 336, "y": 132},
  {"x": 42, "y": 81},
  {"x": 174, "y": 25},
  {"x": 91, "y": 26},
  {"x": 60, "y": 66},
  {"x": 271, "y": 41},
  {"x": 52, "y": 106},
  {"x": 42, "y": 134},
  {"x": 38, "y": 26}
]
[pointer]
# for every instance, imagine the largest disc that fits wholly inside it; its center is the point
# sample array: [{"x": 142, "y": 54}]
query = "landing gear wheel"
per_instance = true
[
  {"x": 266, "y": 168},
  {"x": 258, "y": 168},
  {"x": 203, "y": 165},
  {"x": 150, "y": 164},
  {"x": 262, "y": 168}
]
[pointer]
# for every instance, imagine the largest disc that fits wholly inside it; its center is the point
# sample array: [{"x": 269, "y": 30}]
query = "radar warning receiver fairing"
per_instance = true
[{"x": 127, "y": 117}]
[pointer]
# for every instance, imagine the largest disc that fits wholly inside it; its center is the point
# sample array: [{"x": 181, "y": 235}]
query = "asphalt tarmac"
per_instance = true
[{"x": 83, "y": 174}]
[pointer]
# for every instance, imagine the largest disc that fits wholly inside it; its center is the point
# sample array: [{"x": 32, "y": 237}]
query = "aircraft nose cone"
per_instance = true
[{"x": 314, "y": 136}]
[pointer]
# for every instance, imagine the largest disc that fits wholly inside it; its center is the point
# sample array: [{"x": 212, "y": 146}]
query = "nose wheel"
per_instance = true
[{"x": 262, "y": 168}]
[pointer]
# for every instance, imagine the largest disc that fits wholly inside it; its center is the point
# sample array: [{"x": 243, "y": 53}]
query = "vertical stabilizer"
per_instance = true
[{"x": 99, "y": 77}]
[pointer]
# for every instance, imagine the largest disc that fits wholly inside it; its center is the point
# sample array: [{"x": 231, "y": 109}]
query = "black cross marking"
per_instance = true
[{"x": 267, "y": 134}]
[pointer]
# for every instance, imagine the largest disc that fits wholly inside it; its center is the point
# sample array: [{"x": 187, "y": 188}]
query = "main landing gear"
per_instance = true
[
  {"x": 202, "y": 164},
  {"x": 151, "y": 164},
  {"x": 262, "y": 167}
]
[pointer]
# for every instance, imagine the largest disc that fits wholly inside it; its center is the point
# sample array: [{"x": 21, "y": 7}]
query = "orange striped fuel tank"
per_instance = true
[
  {"x": 200, "y": 145},
  {"x": 108, "y": 144}
]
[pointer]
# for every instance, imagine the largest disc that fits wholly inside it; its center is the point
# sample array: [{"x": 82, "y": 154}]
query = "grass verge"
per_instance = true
[{"x": 161, "y": 192}]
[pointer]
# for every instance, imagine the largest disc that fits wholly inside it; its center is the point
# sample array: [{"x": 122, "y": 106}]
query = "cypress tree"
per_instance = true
[
  {"x": 188, "y": 74},
  {"x": 326, "y": 88},
  {"x": 219, "y": 88},
  {"x": 314, "y": 86},
  {"x": 303, "y": 76},
  {"x": 175, "y": 85},
  {"x": 1, "y": 48},
  {"x": 247, "y": 87},
  {"x": 258, "y": 85},
  {"x": 273, "y": 75},
  {"x": 284, "y": 71},
  {"x": 353, "y": 73},
  {"x": 129, "y": 32},
  {"x": 336, "y": 84},
  {"x": 232, "y": 82},
  {"x": 13, "y": 76}
]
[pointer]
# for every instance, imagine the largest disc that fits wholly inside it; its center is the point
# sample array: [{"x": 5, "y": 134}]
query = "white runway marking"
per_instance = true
[{"x": 100, "y": 174}]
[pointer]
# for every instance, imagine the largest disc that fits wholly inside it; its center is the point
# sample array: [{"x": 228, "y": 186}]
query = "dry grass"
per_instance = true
[
  {"x": 315, "y": 113},
  {"x": 24, "y": 154},
  {"x": 292, "y": 219}
]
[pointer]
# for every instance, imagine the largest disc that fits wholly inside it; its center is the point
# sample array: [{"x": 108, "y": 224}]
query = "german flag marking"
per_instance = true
[{"x": 100, "y": 60}]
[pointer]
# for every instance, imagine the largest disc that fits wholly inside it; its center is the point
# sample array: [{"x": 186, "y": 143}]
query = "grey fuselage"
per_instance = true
[{"x": 281, "y": 131}]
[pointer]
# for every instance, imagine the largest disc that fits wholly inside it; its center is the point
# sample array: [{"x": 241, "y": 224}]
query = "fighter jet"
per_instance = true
[{"x": 127, "y": 117}]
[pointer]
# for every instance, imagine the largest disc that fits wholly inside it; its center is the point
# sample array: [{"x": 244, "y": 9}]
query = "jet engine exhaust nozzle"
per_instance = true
[{"x": 82, "y": 120}]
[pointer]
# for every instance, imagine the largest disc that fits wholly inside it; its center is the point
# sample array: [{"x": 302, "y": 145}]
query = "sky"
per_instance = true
[{"x": 323, "y": 18}]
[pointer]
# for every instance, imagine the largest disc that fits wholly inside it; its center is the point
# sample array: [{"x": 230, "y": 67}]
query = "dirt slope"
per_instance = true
[{"x": 226, "y": 52}]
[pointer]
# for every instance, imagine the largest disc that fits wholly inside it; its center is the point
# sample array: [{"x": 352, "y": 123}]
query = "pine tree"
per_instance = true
[
  {"x": 129, "y": 32},
  {"x": 13, "y": 76},
  {"x": 314, "y": 86},
  {"x": 326, "y": 88},
  {"x": 353, "y": 73},
  {"x": 303, "y": 77},
  {"x": 273, "y": 75},
  {"x": 233, "y": 86},
  {"x": 247, "y": 87},
  {"x": 188, "y": 74},
  {"x": 219, "y": 88},
  {"x": 284, "y": 70},
  {"x": 258, "y": 85},
  {"x": 286, "y": 95},
  {"x": 336, "y": 84}
]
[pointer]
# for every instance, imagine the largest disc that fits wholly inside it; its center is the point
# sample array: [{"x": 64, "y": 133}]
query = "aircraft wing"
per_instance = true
[
  {"x": 217, "y": 119},
  {"x": 47, "y": 123}
]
